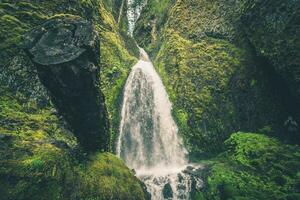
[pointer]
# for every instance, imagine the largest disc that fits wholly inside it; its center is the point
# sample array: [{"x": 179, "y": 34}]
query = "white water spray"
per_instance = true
[
  {"x": 133, "y": 13},
  {"x": 148, "y": 141},
  {"x": 148, "y": 134}
]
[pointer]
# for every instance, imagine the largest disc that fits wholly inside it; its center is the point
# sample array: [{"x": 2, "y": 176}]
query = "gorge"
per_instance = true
[{"x": 149, "y": 100}]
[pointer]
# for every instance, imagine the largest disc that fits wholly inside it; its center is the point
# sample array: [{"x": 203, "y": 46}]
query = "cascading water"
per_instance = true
[
  {"x": 148, "y": 141},
  {"x": 148, "y": 133},
  {"x": 133, "y": 13}
]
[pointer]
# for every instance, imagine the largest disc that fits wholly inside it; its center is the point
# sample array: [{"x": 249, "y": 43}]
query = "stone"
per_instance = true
[
  {"x": 273, "y": 29},
  {"x": 66, "y": 52},
  {"x": 167, "y": 191}
]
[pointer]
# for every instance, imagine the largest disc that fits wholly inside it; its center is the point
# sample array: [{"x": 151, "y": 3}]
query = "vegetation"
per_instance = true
[
  {"x": 148, "y": 27},
  {"x": 217, "y": 83},
  {"x": 197, "y": 98},
  {"x": 40, "y": 159},
  {"x": 254, "y": 166},
  {"x": 231, "y": 69}
]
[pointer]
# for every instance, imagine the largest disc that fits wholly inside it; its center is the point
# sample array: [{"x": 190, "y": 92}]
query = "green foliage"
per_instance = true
[
  {"x": 31, "y": 163},
  {"x": 39, "y": 160},
  {"x": 103, "y": 176},
  {"x": 148, "y": 28},
  {"x": 39, "y": 157},
  {"x": 180, "y": 63},
  {"x": 254, "y": 166},
  {"x": 216, "y": 83}
]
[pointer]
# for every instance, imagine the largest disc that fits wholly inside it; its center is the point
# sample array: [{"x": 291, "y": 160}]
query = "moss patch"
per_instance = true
[
  {"x": 197, "y": 77},
  {"x": 254, "y": 166},
  {"x": 217, "y": 83},
  {"x": 40, "y": 159}
]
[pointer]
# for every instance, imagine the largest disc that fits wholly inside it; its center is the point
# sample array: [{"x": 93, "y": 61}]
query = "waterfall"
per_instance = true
[
  {"x": 133, "y": 13},
  {"x": 148, "y": 139},
  {"x": 148, "y": 134}
]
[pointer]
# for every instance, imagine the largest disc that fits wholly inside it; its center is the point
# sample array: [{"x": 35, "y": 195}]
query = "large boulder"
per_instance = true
[{"x": 65, "y": 50}]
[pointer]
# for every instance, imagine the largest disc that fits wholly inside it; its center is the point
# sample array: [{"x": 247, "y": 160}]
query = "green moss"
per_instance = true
[
  {"x": 254, "y": 166},
  {"x": 29, "y": 157},
  {"x": 11, "y": 31},
  {"x": 148, "y": 28},
  {"x": 39, "y": 159},
  {"x": 103, "y": 176},
  {"x": 216, "y": 82},
  {"x": 197, "y": 76},
  {"x": 116, "y": 62},
  {"x": 117, "y": 51}
]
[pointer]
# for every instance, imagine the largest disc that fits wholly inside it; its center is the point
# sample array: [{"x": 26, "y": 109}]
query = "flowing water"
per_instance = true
[
  {"x": 148, "y": 133},
  {"x": 133, "y": 13},
  {"x": 148, "y": 140}
]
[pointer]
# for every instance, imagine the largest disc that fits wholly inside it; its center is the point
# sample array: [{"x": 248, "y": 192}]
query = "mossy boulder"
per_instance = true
[
  {"x": 40, "y": 159},
  {"x": 167, "y": 191},
  {"x": 65, "y": 51}
]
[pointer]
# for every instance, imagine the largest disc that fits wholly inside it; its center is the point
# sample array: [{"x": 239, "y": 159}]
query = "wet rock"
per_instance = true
[
  {"x": 273, "y": 29},
  {"x": 65, "y": 52},
  {"x": 180, "y": 177},
  {"x": 194, "y": 170},
  {"x": 196, "y": 174},
  {"x": 146, "y": 193},
  {"x": 167, "y": 191}
]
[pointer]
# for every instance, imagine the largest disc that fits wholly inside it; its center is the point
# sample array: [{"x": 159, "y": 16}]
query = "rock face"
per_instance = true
[
  {"x": 273, "y": 28},
  {"x": 65, "y": 52},
  {"x": 247, "y": 55}
]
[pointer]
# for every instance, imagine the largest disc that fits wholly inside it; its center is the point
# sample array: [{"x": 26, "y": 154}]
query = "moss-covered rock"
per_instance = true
[
  {"x": 197, "y": 76},
  {"x": 39, "y": 156},
  {"x": 216, "y": 81},
  {"x": 117, "y": 55},
  {"x": 104, "y": 176},
  {"x": 254, "y": 166},
  {"x": 40, "y": 159},
  {"x": 273, "y": 29},
  {"x": 148, "y": 28},
  {"x": 65, "y": 52}
]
